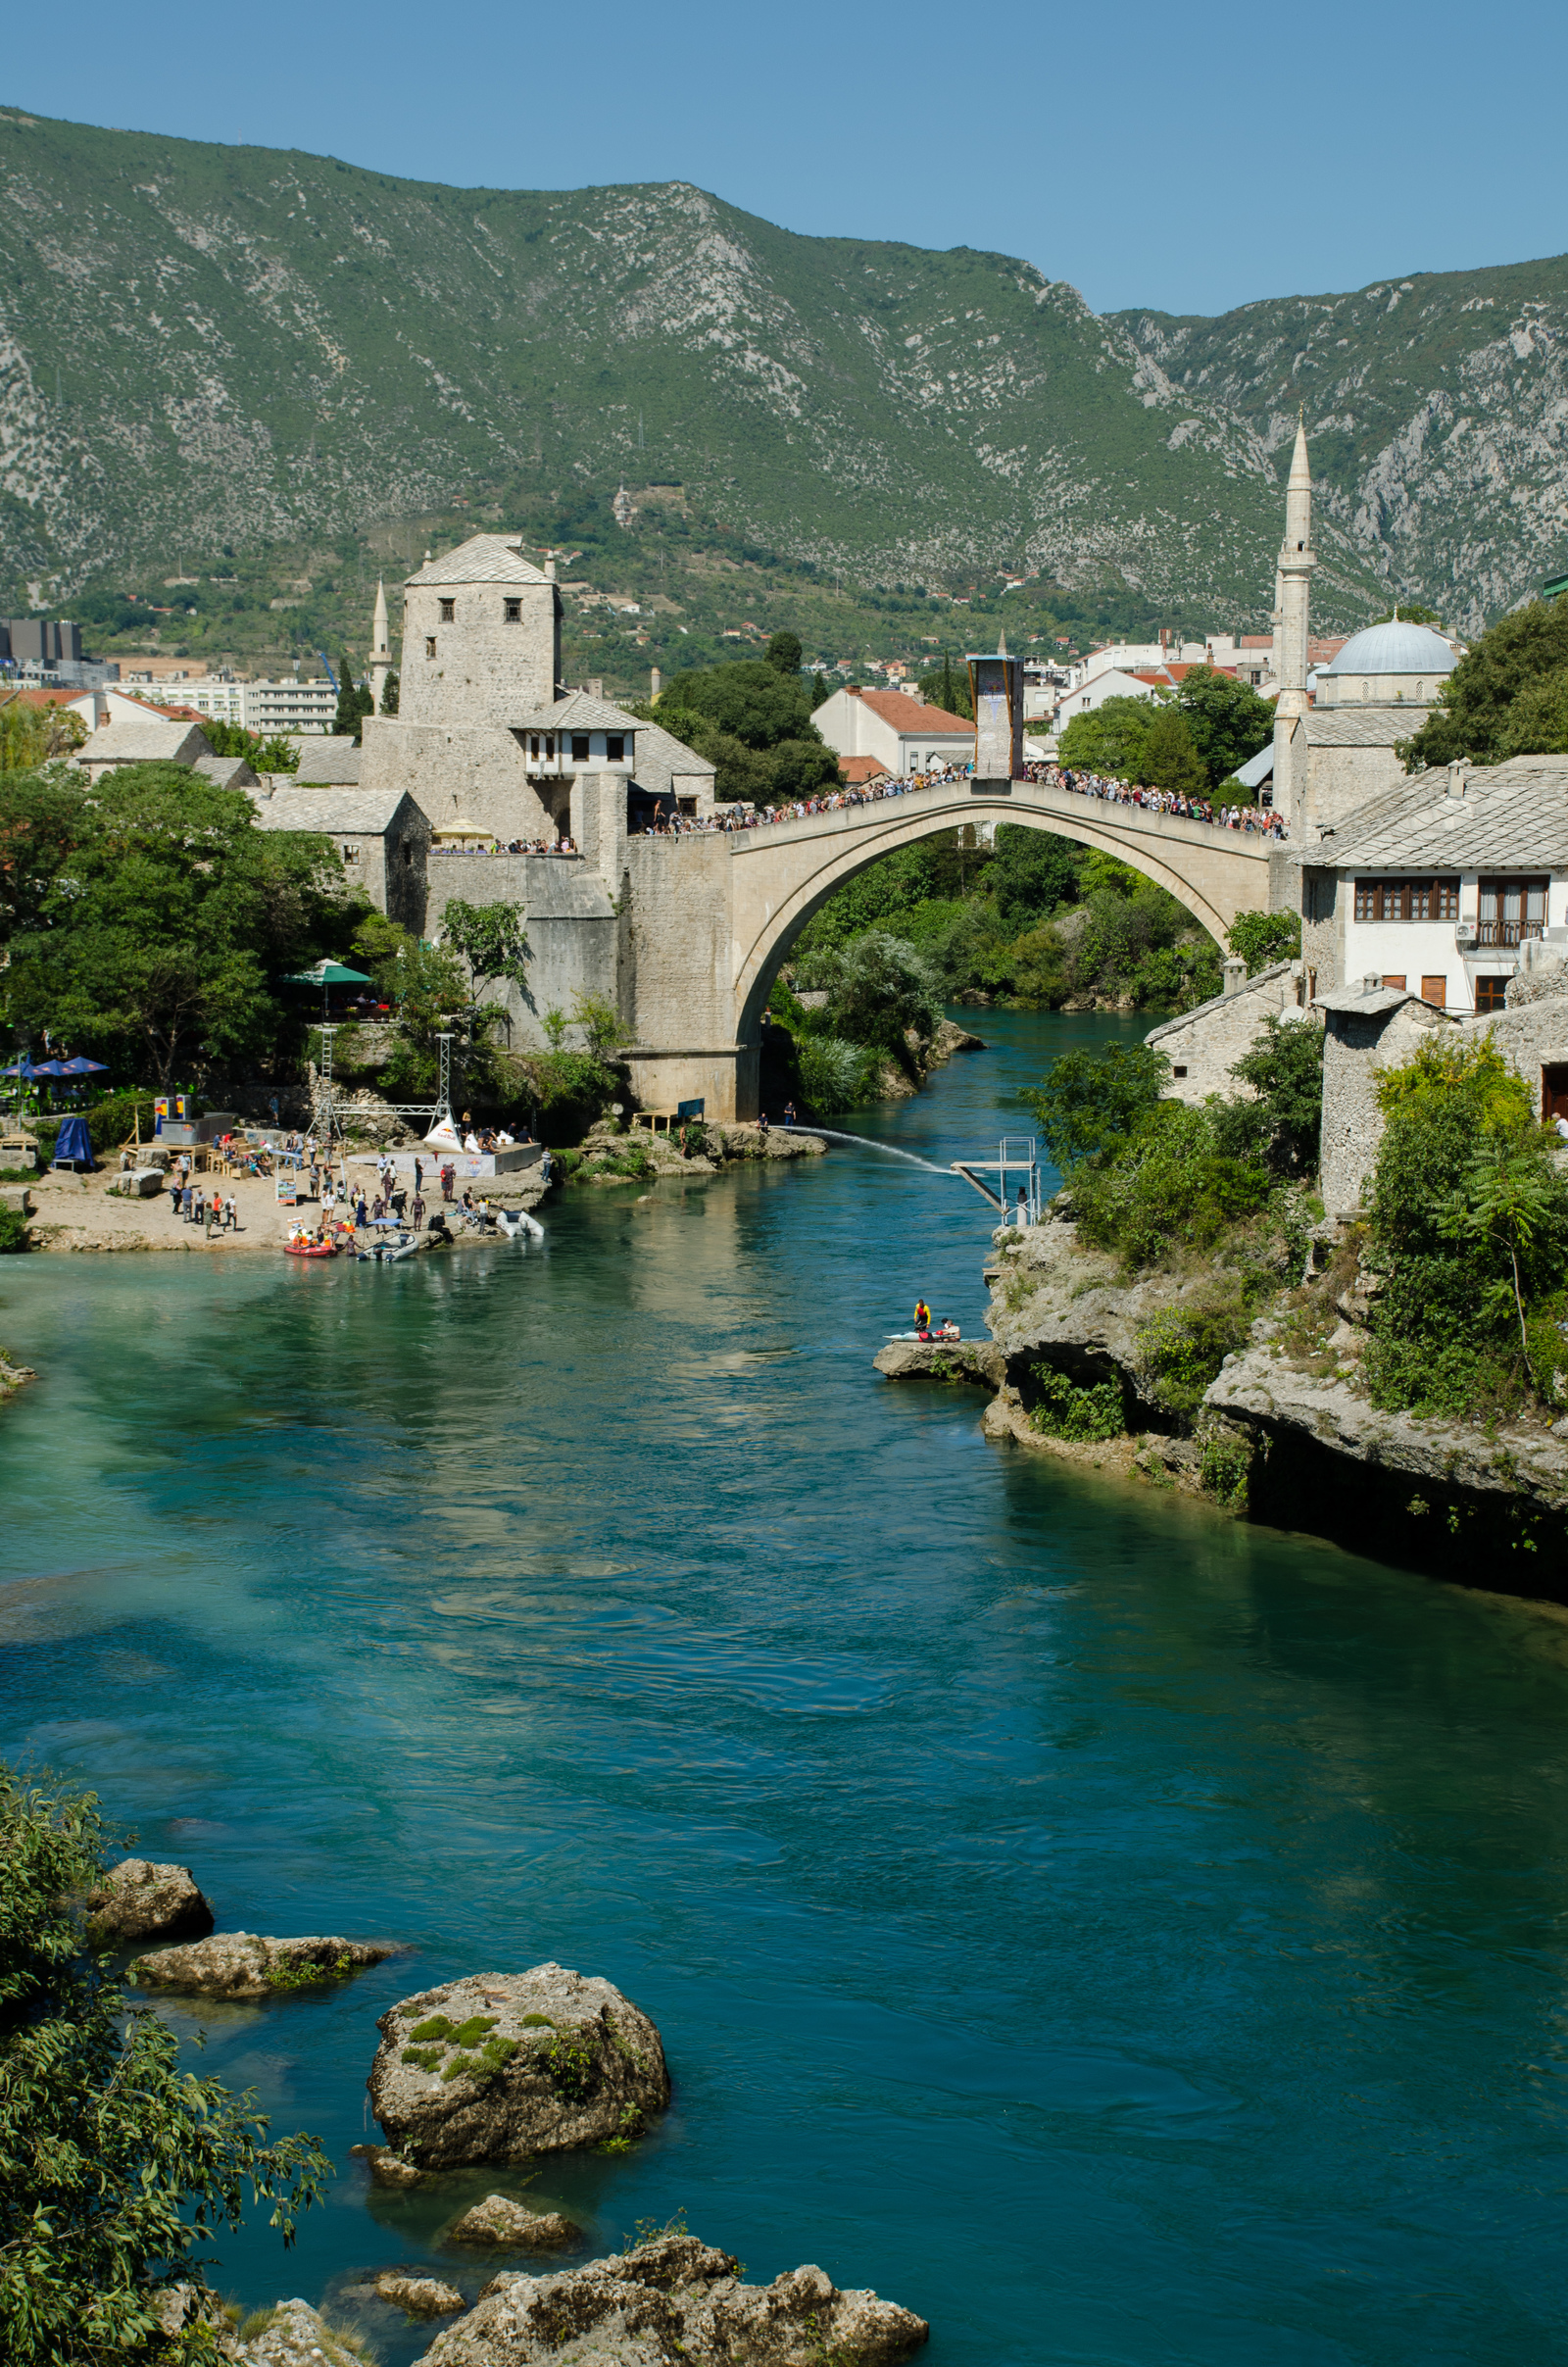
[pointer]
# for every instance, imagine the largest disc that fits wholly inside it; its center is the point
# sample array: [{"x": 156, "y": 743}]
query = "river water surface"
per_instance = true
[{"x": 1121, "y": 1936}]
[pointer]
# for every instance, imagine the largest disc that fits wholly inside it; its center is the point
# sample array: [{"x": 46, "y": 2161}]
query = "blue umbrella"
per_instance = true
[
  {"x": 83, "y": 1066},
  {"x": 22, "y": 1069}
]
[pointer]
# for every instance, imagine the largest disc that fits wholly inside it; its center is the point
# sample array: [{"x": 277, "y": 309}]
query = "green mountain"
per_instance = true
[{"x": 212, "y": 350}]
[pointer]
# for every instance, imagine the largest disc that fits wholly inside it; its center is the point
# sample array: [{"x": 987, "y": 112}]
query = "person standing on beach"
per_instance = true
[{"x": 449, "y": 1176}]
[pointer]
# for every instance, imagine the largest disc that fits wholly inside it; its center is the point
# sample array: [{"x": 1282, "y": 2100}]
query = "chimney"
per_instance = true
[
  {"x": 657, "y": 682},
  {"x": 596, "y": 686},
  {"x": 550, "y": 569},
  {"x": 1234, "y": 975},
  {"x": 854, "y": 690}
]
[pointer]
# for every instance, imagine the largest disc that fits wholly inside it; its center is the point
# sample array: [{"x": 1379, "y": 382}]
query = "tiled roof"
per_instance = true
[
  {"x": 142, "y": 743},
  {"x": 1511, "y": 817},
  {"x": 1363, "y": 726},
  {"x": 906, "y": 714},
  {"x": 224, "y": 772},
  {"x": 334, "y": 759},
  {"x": 578, "y": 711},
  {"x": 859, "y": 768},
  {"x": 483, "y": 559},
  {"x": 369, "y": 812}
]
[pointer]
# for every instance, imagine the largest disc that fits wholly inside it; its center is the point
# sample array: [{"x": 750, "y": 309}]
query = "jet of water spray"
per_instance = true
[{"x": 865, "y": 1142}]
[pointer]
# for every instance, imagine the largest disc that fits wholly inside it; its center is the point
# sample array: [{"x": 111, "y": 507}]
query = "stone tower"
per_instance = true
[
  {"x": 380, "y": 647},
  {"x": 1294, "y": 581},
  {"x": 481, "y": 637}
]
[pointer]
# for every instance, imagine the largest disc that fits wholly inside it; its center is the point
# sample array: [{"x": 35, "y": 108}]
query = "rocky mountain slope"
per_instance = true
[{"x": 204, "y": 345}]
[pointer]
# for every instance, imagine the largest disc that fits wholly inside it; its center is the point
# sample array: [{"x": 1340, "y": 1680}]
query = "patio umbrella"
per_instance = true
[
  {"x": 83, "y": 1066},
  {"x": 326, "y": 975},
  {"x": 22, "y": 1069}
]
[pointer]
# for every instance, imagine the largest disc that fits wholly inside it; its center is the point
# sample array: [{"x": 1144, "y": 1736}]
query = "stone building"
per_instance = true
[
  {"x": 1367, "y": 1028},
  {"x": 381, "y": 838},
  {"x": 1203, "y": 1045},
  {"x": 151, "y": 743}
]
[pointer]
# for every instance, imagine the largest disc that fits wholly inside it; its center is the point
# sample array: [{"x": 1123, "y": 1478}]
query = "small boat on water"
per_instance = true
[
  {"x": 517, "y": 1221},
  {"x": 310, "y": 1248}
]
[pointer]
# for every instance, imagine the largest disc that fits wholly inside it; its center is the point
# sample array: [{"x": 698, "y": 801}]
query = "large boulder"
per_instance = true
[
  {"x": 139, "y": 1901},
  {"x": 498, "y": 2220},
  {"x": 676, "y": 2302},
  {"x": 297, "y": 2336},
  {"x": 421, "y": 2297},
  {"x": 242, "y": 1964},
  {"x": 500, "y": 2066}
]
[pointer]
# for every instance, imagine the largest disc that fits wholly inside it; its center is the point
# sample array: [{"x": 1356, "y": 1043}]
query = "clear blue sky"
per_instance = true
[{"x": 1185, "y": 159}]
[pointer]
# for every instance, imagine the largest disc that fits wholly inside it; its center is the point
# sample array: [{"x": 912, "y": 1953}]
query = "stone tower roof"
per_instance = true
[{"x": 483, "y": 559}]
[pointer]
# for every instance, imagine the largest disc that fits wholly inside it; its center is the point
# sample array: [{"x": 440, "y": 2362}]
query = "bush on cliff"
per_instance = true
[
  {"x": 1469, "y": 1233},
  {"x": 115, "y": 2164}
]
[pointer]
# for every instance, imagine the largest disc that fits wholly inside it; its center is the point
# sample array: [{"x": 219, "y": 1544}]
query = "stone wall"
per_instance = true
[
  {"x": 1358, "y": 1046},
  {"x": 485, "y": 669},
  {"x": 479, "y": 776},
  {"x": 573, "y": 927},
  {"x": 1204, "y": 1045},
  {"x": 677, "y": 957}
]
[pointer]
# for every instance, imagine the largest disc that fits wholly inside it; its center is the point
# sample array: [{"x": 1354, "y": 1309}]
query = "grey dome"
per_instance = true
[{"x": 1396, "y": 649}]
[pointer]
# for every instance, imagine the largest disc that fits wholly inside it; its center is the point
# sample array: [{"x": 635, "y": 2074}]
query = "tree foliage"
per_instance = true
[
  {"x": 754, "y": 721},
  {"x": 1108, "y": 739},
  {"x": 1093, "y": 1099},
  {"x": 1228, "y": 722},
  {"x": 273, "y": 754},
  {"x": 948, "y": 686},
  {"x": 879, "y": 990},
  {"x": 152, "y": 918},
  {"x": 1469, "y": 1229},
  {"x": 492, "y": 940},
  {"x": 1260, "y": 939},
  {"x": 33, "y": 735},
  {"x": 116, "y": 2167},
  {"x": 1170, "y": 760},
  {"x": 784, "y": 654},
  {"x": 1497, "y": 702}
]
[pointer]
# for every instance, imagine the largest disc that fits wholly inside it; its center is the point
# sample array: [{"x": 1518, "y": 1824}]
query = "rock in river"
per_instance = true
[
  {"x": 139, "y": 1901},
  {"x": 500, "y": 2220},
  {"x": 499, "y": 2066},
  {"x": 421, "y": 2296},
  {"x": 676, "y": 2303},
  {"x": 240, "y": 1964}
]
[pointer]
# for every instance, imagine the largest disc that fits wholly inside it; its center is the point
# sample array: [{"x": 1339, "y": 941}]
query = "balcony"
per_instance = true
[{"x": 1494, "y": 933}]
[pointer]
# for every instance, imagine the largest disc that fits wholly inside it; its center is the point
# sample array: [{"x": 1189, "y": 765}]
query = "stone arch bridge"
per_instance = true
[{"x": 705, "y": 922}]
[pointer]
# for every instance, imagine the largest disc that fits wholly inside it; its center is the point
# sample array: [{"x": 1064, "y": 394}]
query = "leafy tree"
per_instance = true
[
  {"x": 159, "y": 942},
  {"x": 1109, "y": 739},
  {"x": 40, "y": 819},
  {"x": 755, "y": 723},
  {"x": 1228, "y": 722},
  {"x": 1475, "y": 708},
  {"x": 784, "y": 654},
  {"x": 1408, "y": 611},
  {"x": 34, "y": 735},
  {"x": 1469, "y": 1225},
  {"x": 115, "y": 2164},
  {"x": 1537, "y": 723},
  {"x": 274, "y": 753},
  {"x": 389, "y": 693},
  {"x": 821, "y": 691},
  {"x": 879, "y": 990},
  {"x": 1281, "y": 1127},
  {"x": 1261, "y": 938},
  {"x": 1031, "y": 873},
  {"x": 1170, "y": 760},
  {"x": 492, "y": 940},
  {"x": 1092, "y": 1101}
]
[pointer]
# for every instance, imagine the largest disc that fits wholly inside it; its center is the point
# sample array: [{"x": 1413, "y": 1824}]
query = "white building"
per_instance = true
[
  {"x": 1116, "y": 683},
  {"x": 264, "y": 707},
  {"x": 901, "y": 732},
  {"x": 1435, "y": 887}
]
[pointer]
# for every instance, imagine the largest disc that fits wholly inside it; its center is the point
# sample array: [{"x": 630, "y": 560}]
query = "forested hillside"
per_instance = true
[{"x": 208, "y": 349}]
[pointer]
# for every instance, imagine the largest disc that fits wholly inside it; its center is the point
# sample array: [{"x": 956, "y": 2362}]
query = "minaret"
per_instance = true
[
  {"x": 1294, "y": 578},
  {"x": 380, "y": 646}
]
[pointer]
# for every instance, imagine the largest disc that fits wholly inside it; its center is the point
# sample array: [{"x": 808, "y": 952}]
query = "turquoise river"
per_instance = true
[{"x": 1127, "y": 1937}]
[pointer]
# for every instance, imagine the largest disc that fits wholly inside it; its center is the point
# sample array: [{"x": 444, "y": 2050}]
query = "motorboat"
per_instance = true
[{"x": 516, "y": 1222}]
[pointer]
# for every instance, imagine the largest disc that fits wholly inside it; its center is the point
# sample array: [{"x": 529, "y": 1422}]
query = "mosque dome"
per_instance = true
[{"x": 1397, "y": 648}]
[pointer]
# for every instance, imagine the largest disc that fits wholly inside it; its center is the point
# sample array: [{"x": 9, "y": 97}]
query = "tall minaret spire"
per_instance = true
[
  {"x": 1294, "y": 579},
  {"x": 380, "y": 646}
]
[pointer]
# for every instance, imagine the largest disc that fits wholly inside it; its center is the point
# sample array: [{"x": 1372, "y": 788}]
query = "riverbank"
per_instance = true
[{"x": 1097, "y": 1367}]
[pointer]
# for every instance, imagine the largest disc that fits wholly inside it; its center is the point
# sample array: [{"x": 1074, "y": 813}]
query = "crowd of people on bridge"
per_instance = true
[{"x": 1257, "y": 819}]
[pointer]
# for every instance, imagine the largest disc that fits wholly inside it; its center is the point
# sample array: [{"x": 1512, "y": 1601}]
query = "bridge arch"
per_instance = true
[{"x": 784, "y": 875}]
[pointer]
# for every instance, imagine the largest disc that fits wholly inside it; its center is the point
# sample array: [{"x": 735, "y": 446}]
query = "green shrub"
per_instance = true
[
  {"x": 424, "y": 2058},
  {"x": 1169, "y": 1186},
  {"x": 1091, "y": 1102},
  {"x": 1065, "y": 1409},
  {"x": 835, "y": 1074},
  {"x": 570, "y": 2067},
  {"x": 1225, "y": 1469},
  {"x": 13, "y": 1232},
  {"x": 1182, "y": 1348}
]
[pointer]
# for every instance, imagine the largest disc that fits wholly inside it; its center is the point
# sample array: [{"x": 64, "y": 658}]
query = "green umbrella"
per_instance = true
[
  {"x": 327, "y": 974},
  {"x": 323, "y": 975}
]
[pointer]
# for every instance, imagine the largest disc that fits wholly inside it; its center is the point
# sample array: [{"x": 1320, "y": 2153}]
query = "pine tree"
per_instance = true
[{"x": 1169, "y": 759}]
